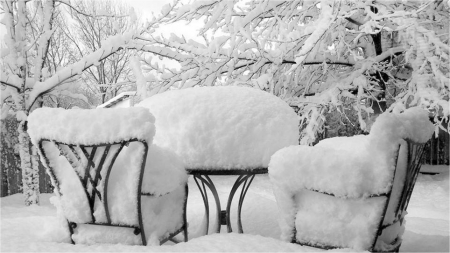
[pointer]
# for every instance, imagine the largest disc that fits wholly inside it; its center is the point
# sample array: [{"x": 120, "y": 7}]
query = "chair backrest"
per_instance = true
[
  {"x": 409, "y": 157},
  {"x": 81, "y": 174},
  {"x": 96, "y": 161}
]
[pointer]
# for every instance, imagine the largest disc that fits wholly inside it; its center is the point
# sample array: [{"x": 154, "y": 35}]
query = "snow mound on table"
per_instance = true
[
  {"x": 223, "y": 127},
  {"x": 352, "y": 168},
  {"x": 92, "y": 126}
]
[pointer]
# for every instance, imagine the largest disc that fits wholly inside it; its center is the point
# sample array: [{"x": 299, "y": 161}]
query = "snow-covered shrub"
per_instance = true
[
  {"x": 223, "y": 127},
  {"x": 351, "y": 169}
]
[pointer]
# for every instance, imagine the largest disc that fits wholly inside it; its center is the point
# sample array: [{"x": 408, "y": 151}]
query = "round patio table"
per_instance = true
[
  {"x": 223, "y": 131},
  {"x": 245, "y": 178}
]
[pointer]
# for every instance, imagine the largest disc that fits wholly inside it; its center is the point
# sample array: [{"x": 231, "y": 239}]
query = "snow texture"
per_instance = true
[
  {"x": 351, "y": 168},
  {"x": 325, "y": 220},
  {"x": 164, "y": 171},
  {"x": 36, "y": 229},
  {"x": 162, "y": 215},
  {"x": 223, "y": 127},
  {"x": 90, "y": 127}
]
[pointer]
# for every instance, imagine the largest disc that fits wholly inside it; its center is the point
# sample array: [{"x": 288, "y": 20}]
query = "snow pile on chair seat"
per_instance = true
[
  {"x": 223, "y": 127},
  {"x": 344, "y": 223},
  {"x": 352, "y": 168},
  {"x": 161, "y": 216},
  {"x": 164, "y": 170},
  {"x": 91, "y": 127}
]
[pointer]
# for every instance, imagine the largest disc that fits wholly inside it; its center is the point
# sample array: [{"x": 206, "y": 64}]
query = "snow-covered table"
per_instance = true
[{"x": 226, "y": 130}]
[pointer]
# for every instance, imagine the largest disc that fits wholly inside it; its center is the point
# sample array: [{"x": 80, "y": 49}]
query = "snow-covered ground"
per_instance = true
[{"x": 34, "y": 228}]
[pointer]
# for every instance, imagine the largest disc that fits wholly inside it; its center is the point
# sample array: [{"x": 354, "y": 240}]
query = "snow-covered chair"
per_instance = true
[
  {"x": 112, "y": 184},
  {"x": 351, "y": 192}
]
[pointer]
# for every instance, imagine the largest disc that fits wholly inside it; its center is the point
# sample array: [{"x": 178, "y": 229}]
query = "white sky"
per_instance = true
[
  {"x": 150, "y": 7},
  {"x": 146, "y": 7}
]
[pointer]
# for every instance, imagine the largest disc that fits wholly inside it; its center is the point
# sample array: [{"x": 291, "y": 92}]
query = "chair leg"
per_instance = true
[
  {"x": 71, "y": 225},
  {"x": 185, "y": 225},
  {"x": 141, "y": 223}
]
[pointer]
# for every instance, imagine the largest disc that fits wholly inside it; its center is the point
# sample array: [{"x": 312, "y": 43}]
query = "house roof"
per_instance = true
[{"x": 117, "y": 99}]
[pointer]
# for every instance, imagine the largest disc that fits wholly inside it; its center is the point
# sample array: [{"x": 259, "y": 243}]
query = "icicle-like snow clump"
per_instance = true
[
  {"x": 352, "y": 169},
  {"x": 223, "y": 127}
]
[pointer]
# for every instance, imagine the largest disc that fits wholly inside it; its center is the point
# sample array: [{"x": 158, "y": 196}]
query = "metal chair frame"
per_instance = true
[
  {"x": 415, "y": 152},
  {"x": 87, "y": 181}
]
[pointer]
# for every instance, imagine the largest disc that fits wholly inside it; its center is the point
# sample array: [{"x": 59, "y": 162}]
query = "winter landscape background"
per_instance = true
[{"x": 337, "y": 64}]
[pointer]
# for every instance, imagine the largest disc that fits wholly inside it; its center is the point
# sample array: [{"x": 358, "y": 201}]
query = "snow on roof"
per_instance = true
[
  {"x": 92, "y": 126},
  {"x": 223, "y": 127},
  {"x": 122, "y": 96}
]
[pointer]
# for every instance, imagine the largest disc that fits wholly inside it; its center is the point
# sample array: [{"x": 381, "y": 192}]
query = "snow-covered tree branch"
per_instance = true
[
  {"x": 313, "y": 54},
  {"x": 26, "y": 72}
]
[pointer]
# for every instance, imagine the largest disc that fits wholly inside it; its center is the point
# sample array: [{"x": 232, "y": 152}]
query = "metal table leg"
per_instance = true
[
  {"x": 209, "y": 183},
  {"x": 223, "y": 216},
  {"x": 242, "y": 179}
]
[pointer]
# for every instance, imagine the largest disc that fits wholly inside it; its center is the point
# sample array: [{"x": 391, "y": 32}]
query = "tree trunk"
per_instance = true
[
  {"x": 10, "y": 158},
  {"x": 29, "y": 165},
  {"x": 379, "y": 104}
]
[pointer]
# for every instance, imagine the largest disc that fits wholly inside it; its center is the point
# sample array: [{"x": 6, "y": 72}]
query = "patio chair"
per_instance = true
[
  {"x": 352, "y": 192},
  {"x": 101, "y": 163}
]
